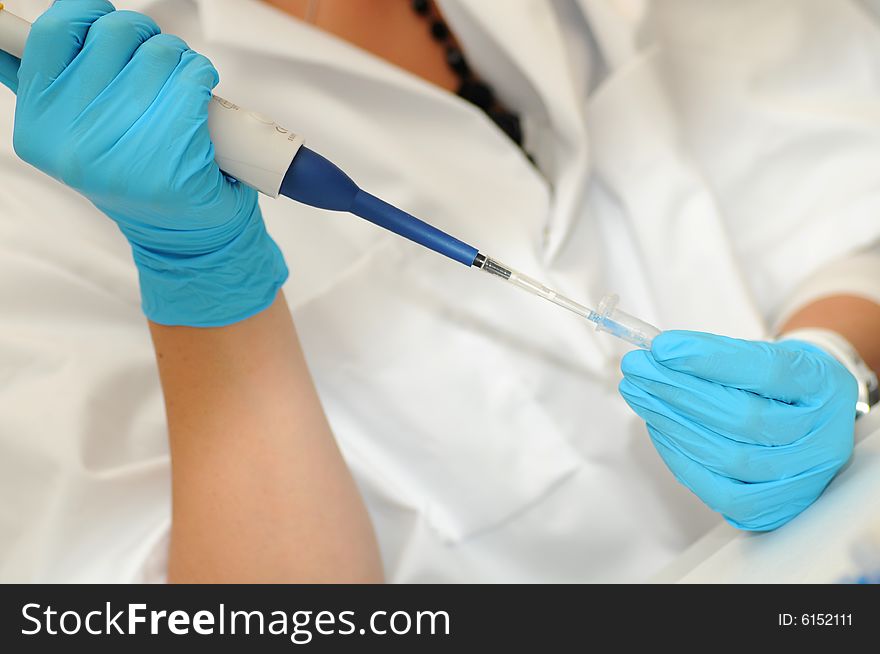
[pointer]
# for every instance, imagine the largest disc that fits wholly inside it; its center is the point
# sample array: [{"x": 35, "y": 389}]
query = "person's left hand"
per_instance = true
[{"x": 756, "y": 430}]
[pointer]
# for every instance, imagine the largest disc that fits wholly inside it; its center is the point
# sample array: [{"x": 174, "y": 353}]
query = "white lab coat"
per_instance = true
[{"x": 699, "y": 158}]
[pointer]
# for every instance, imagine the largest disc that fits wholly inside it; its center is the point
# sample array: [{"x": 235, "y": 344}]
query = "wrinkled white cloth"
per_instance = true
[{"x": 699, "y": 158}]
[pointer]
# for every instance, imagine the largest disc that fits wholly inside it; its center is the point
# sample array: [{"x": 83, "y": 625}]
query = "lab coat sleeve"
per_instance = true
[
  {"x": 777, "y": 109},
  {"x": 855, "y": 275}
]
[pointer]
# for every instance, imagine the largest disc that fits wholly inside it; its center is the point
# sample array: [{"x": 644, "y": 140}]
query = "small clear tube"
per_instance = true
[
  {"x": 621, "y": 324},
  {"x": 608, "y": 318}
]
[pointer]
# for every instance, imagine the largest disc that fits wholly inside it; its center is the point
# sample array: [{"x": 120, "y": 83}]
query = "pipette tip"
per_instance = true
[{"x": 607, "y": 319}]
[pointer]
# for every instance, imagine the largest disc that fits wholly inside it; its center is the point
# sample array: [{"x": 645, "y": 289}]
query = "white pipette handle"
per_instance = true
[{"x": 247, "y": 145}]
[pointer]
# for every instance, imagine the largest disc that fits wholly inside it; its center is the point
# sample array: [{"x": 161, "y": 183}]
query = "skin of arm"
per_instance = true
[
  {"x": 260, "y": 490},
  {"x": 854, "y": 318}
]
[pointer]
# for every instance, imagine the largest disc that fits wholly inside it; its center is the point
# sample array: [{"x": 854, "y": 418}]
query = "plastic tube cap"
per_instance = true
[{"x": 623, "y": 325}]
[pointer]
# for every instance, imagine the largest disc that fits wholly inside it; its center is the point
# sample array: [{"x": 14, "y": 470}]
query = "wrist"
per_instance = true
[
  {"x": 838, "y": 347},
  {"x": 215, "y": 281}
]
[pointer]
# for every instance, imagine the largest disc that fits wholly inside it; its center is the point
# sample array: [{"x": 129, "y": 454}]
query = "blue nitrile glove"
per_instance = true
[
  {"x": 9, "y": 71},
  {"x": 119, "y": 112},
  {"x": 756, "y": 430}
]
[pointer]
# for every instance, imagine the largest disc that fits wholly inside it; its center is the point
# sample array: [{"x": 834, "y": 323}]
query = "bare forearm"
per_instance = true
[
  {"x": 261, "y": 492},
  {"x": 855, "y": 318}
]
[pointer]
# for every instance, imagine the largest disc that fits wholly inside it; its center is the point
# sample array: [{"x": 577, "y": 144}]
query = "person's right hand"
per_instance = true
[
  {"x": 118, "y": 111},
  {"x": 9, "y": 65}
]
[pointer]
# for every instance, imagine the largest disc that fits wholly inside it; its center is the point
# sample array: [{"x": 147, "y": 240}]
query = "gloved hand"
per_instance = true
[
  {"x": 756, "y": 430},
  {"x": 9, "y": 66},
  {"x": 116, "y": 110}
]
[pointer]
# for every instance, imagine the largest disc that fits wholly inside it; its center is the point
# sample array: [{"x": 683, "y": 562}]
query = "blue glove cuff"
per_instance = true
[{"x": 214, "y": 289}]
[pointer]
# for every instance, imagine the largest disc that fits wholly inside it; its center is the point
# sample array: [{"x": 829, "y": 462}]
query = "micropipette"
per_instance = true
[
  {"x": 318, "y": 182},
  {"x": 257, "y": 151}
]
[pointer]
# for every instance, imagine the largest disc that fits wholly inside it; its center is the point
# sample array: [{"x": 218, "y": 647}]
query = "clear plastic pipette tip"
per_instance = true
[{"x": 607, "y": 317}]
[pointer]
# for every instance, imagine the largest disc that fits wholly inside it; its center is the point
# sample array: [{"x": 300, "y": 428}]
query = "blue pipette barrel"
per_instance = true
[{"x": 317, "y": 182}]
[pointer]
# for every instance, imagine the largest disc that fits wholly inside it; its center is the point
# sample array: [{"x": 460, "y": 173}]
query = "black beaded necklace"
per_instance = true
[{"x": 470, "y": 87}]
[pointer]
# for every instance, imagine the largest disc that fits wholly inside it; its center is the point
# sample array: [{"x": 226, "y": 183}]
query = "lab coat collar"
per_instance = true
[
  {"x": 531, "y": 40},
  {"x": 539, "y": 74},
  {"x": 534, "y": 72},
  {"x": 530, "y": 37}
]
